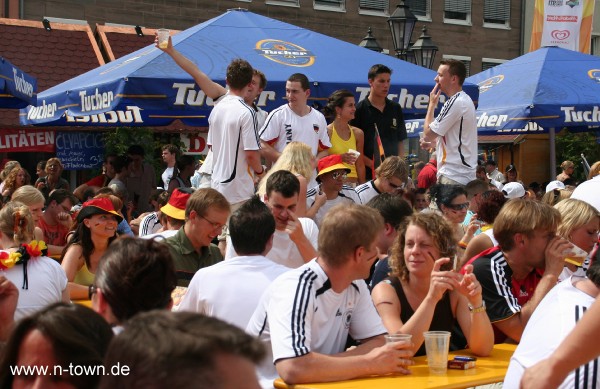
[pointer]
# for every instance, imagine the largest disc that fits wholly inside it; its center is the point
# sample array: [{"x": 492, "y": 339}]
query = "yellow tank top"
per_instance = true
[
  {"x": 84, "y": 276},
  {"x": 340, "y": 146}
]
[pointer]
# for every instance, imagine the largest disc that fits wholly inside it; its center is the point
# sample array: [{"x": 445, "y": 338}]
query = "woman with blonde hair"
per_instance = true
[
  {"x": 17, "y": 178},
  {"x": 40, "y": 279},
  {"x": 423, "y": 293},
  {"x": 594, "y": 170},
  {"x": 555, "y": 196},
  {"x": 53, "y": 180},
  {"x": 34, "y": 200},
  {"x": 297, "y": 157},
  {"x": 579, "y": 224}
]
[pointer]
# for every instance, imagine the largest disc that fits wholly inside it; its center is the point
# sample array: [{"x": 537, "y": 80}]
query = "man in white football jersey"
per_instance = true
[
  {"x": 305, "y": 316},
  {"x": 294, "y": 121}
]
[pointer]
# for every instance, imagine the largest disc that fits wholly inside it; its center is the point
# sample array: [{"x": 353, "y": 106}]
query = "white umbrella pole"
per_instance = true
[{"x": 552, "y": 139}]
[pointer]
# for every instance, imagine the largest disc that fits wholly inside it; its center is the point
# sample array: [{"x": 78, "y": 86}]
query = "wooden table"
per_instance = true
[
  {"x": 87, "y": 303},
  {"x": 489, "y": 370}
]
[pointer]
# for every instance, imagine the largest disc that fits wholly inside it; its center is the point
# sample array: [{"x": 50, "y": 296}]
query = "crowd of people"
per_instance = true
[{"x": 291, "y": 251}]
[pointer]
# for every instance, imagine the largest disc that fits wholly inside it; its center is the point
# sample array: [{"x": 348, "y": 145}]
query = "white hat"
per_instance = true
[
  {"x": 513, "y": 190},
  {"x": 554, "y": 185}
]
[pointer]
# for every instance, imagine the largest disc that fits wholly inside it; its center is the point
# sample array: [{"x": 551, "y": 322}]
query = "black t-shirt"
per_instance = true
[{"x": 390, "y": 124}]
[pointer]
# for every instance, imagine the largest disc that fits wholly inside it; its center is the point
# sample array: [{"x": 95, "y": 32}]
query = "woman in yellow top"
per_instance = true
[
  {"x": 343, "y": 137},
  {"x": 96, "y": 229}
]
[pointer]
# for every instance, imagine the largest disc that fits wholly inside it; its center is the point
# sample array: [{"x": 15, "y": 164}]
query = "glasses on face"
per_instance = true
[
  {"x": 91, "y": 291},
  {"x": 216, "y": 226},
  {"x": 458, "y": 207},
  {"x": 336, "y": 175}
]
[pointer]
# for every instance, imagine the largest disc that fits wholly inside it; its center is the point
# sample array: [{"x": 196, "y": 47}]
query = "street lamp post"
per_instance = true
[
  {"x": 402, "y": 22},
  {"x": 424, "y": 50},
  {"x": 369, "y": 42}
]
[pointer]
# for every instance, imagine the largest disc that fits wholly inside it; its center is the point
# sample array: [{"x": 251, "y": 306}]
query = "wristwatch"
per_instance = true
[{"x": 480, "y": 308}]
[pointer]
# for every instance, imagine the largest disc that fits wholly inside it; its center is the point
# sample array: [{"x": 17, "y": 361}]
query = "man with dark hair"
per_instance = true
[
  {"x": 454, "y": 130},
  {"x": 377, "y": 110},
  {"x": 56, "y": 220},
  {"x": 134, "y": 276},
  {"x": 523, "y": 268},
  {"x": 117, "y": 184},
  {"x": 191, "y": 351},
  {"x": 295, "y": 238},
  {"x": 553, "y": 319},
  {"x": 169, "y": 156},
  {"x": 394, "y": 209},
  {"x": 141, "y": 180},
  {"x": 306, "y": 337},
  {"x": 206, "y": 213},
  {"x": 492, "y": 172},
  {"x": 295, "y": 121},
  {"x": 230, "y": 290}
]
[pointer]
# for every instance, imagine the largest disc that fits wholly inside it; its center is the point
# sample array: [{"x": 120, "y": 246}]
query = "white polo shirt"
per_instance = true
[{"x": 230, "y": 290}]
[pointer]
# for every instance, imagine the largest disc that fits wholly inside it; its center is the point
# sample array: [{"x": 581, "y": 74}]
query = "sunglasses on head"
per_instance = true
[{"x": 458, "y": 207}]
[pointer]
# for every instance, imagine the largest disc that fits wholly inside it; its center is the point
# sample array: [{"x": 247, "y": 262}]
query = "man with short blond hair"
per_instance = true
[
  {"x": 518, "y": 273},
  {"x": 392, "y": 177}
]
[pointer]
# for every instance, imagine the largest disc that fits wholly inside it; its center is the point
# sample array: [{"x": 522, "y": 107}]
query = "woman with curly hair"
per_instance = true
[
  {"x": 53, "y": 180},
  {"x": 423, "y": 293},
  {"x": 296, "y": 157},
  {"x": 17, "y": 178},
  {"x": 96, "y": 229},
  {"x": 40, "y": 279}
]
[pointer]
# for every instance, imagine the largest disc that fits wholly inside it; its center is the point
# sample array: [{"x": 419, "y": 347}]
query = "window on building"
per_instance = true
[
  {"x": 595, "y": 47},
  {"x": 286, "y": 3},
  {"x": 420, "y": 8},
  {"x": 496, "y": 13},
  {"x": 457, "y": 11},
  {"x": 330, "y": 4},
  {"x": 488, "y": 63},
  {"x": 463, "y": 59},
  {"x": 374, "y": 6}
]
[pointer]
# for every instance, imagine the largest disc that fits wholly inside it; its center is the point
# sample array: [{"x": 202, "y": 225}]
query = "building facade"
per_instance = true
[{"x": 480, "y": 32}]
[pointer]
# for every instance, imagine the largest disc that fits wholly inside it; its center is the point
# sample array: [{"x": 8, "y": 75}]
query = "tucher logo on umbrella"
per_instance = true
[{"x": 285, "y": 53}]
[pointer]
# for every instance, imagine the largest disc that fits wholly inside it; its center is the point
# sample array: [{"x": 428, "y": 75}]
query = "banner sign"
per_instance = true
[
  {"x": 80, "y": 150},
  {"x": 195, "y": 144},
  {"x": 563, "y": 23},
  {"x": 12, "y": 141}
]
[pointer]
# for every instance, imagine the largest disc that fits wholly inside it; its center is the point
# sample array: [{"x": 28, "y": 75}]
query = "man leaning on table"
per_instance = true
[
  {"x": 516, "y": 275},
  {"x": 306, "y": 315}
]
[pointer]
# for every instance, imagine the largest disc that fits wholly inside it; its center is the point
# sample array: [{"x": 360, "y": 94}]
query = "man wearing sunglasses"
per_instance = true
[
  {"x": 392, "y": 177},
  {"x": 331, "y": 189}
]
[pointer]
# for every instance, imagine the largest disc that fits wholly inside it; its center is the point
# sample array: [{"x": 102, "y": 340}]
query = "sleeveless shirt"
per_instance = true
[
  {"x": 443, "y": 319},
  {"x": 340, "y": 146}
]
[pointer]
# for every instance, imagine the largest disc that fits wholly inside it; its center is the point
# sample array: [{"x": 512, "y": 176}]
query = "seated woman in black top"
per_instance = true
[{"x": 423, "y": 293}]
